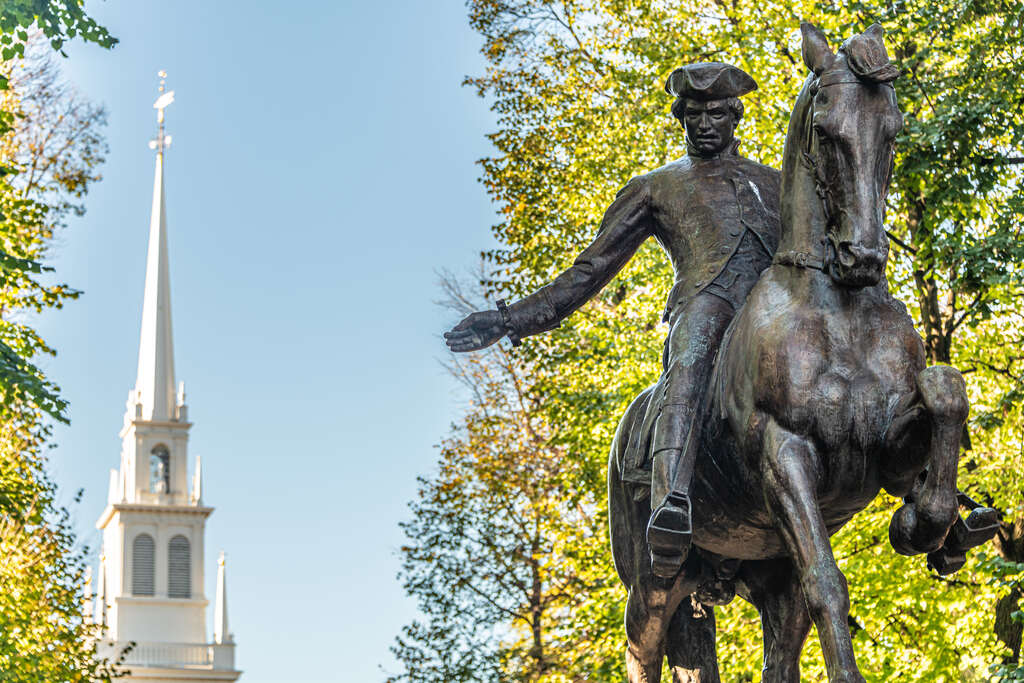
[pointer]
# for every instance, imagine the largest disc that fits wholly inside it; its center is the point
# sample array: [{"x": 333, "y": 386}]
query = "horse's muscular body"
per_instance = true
[{"x": 836, "y": 379}]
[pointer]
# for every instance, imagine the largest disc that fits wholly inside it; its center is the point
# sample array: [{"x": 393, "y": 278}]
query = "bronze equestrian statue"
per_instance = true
[{"x": 818, "y": 398}]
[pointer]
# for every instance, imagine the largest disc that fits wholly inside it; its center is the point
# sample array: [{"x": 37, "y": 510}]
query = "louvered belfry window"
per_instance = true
[
  {"x": 179, "y": 568},
  {"x": 142, "y": 565}
]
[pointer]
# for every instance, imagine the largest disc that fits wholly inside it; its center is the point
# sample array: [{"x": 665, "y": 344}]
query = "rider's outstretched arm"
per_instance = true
[{"x": 625, "y": 226}]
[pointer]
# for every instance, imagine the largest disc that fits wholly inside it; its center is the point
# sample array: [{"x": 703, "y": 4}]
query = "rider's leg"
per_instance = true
[
  {"x": 694, "y": 337},
  {"x": 790, "y": 468}
]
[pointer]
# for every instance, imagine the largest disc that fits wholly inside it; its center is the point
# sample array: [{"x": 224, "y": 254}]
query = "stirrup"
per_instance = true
[{"x": 669, "y": 533}]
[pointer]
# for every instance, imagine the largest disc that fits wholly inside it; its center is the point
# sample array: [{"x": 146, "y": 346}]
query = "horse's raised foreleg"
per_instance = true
[
  {"x": 773, "y": 586},
  {"x": 930, "y": 508},
  {"x": 907, "y": 444},
  {"x": 790, "y": 467},
  {"x": 690, "y": 644}
]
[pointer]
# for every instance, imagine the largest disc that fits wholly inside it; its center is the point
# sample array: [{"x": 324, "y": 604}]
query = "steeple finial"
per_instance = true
[
  {"x": 154, "y": 383},
  {"x": 161, "y": 141}
]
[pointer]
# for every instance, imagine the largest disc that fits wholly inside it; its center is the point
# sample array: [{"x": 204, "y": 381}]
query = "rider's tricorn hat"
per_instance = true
[{"x": 709, "y": 81}]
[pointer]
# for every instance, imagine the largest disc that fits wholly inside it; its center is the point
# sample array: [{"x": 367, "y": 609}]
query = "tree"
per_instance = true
[
  {"x": 50, "y": 146},
  {"x": 576, "y": 86}
]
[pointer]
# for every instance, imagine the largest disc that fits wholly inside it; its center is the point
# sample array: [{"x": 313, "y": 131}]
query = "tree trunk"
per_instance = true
[
  {"x": 536, "y": 613},
  {"x": 1010, "y": 544}
]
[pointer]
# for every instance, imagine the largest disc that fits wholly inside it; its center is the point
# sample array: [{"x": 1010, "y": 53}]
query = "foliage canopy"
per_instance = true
[
  {"x": 50, "y": 147},
  {"x": 576, "y": 86}
]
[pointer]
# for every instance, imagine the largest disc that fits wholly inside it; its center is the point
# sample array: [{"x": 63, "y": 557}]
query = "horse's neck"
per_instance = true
[{"x": 803, "y": 218}]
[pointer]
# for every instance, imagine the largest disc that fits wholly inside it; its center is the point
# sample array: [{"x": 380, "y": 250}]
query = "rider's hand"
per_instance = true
[{"x": 477, "y": 331}]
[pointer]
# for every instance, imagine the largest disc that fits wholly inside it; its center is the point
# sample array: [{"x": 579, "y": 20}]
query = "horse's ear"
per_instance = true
[
  {"x": 816, "y": 52},
  {"x": 875, "y": 31}
]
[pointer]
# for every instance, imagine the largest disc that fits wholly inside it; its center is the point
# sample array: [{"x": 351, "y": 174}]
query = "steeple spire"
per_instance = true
[{"x": 154, "y": 384}]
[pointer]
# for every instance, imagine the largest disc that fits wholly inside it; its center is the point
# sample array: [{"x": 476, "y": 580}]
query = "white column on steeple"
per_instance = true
[
  {"x": 154, "y": 382},
  {"x": 87, "y": 603},
  {"x": 221, "y": 633},
  {"x": 101, "y": 593},
  {"x": 197, "y": 483}
]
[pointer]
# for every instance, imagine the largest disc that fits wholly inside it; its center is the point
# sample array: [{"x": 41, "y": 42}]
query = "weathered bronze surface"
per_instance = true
[{"x": 818, "y": 396}]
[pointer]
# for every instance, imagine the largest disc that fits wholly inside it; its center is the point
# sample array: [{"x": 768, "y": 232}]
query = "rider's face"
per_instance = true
[{"x": 709, "y": 125}]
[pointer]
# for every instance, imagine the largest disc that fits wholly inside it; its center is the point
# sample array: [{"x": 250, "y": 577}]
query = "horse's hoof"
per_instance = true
[
  {"x": 901, "y": 530},
  {"x": 913, "y": 531},
  {"x": 979, "y": 527},
  {"x": 946, "y": 561}
]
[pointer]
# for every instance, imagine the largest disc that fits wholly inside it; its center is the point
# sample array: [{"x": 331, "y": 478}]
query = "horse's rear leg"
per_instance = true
[
  {"x": 690, "y": 644},
  {"x": 773, "y": 586},
  {"x": 648, "y": 614},
  {"x": 921, "y": 525},
  {"x": 790, "y": 470}
]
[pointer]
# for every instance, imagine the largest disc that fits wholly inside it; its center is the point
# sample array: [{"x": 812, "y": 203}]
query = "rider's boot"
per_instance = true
[
  {"x": 669, "y": 533},
  {"x": 670, "y": 530}
]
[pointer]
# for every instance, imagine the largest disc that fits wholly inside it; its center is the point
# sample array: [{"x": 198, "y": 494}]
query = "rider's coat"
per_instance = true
[
  {"x": 718, "y": 220},
  {"x": 697, "y": 208}
]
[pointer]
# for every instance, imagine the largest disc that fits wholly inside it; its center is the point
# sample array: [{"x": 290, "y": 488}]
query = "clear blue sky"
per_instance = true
[{"x": 322, "y": 170}]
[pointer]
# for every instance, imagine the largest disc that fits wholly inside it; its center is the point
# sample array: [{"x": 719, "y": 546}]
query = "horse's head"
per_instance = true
[{"x": 848, "y": 141}]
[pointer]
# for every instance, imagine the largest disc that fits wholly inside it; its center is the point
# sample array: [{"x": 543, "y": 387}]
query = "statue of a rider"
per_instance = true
[{"x": 716, "y": 214}]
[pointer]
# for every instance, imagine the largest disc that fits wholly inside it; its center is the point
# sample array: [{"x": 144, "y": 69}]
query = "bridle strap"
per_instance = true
[
  {"x": 799, "y": 259},
  {"x": 839, "y": 77}
]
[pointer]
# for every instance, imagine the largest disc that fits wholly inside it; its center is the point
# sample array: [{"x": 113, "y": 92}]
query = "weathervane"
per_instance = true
[{"x": 161, "y": 141}]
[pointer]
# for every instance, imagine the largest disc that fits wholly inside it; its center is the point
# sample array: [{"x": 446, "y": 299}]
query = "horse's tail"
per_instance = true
[{"x": 627, "y": 516}]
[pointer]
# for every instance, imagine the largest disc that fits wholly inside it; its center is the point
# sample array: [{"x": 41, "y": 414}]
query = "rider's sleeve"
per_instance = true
[{"x": 626, "y": 224}]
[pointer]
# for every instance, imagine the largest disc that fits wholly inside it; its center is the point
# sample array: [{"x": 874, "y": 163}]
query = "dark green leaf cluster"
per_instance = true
[{"x": 58, "y": 20}]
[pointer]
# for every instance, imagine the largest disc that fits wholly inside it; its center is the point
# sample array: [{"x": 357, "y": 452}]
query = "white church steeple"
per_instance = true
[
  {"x": 154, "y": 383},
  {"x": 151, "y": 576}
]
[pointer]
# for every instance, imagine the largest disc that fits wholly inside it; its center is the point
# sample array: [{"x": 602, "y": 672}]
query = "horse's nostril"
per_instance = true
[
  {"x": 848, "y": 254},
  {"x": 851, "y": 255}
]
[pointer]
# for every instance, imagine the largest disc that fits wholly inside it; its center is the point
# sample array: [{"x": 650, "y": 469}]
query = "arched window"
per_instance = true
[
  {"x": 142, "y": 565},
  {"x": 160, "y": 469},
  {"x": 179, "y": 568}
]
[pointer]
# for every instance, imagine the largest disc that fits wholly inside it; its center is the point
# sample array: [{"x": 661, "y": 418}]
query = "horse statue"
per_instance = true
[{"x": 819, "y": 399}]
